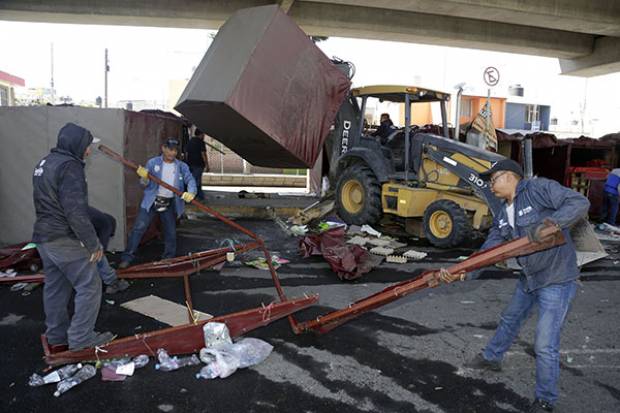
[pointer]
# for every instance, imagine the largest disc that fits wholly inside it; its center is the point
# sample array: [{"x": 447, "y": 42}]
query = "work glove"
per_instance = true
[
  {"x": 534, "y": 232},
  {"x": 188, "y": 197},
  {"x": 448, "y": 278},
  {"x": 142, "y": 172}
]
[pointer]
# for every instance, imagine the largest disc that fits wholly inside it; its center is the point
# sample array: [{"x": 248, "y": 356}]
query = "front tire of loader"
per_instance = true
[
  {"x": 358, "y": 196},
  {"x": 446, "y": 224}
]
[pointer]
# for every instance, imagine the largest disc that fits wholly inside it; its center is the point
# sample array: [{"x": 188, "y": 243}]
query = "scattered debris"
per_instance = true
[
  {"x": 8, "y": 273},
  {"x": 378, "y": 242},
  {"x": 299, "y": 230},
  {"x": 346, "y": 260},
  {"x": 396, "y": 259},
  {"x": 224, "y": 360},
  {"x": 313, "y": 211},
  {"x": 163, "y": 310},
  {"x": 216, "y": 335},
  {"x": 381, "y": 251},
  {"x": 415, "y": 255},
  {"x": 358, "y": 240},
  {"x": 111, "y": 302},
  {"x": 86, "y": 372},
  {"x": 54, "y": 377},
  {"x": 370, "y": 231},
  {"x": 167, "y": 363},
  {"x": 261, "y": 262}
]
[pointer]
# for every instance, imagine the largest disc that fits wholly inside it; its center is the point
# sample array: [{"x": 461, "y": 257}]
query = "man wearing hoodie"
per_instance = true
[
  {"x": 158, "y": 200},
  {"x": 67, "y": 242}
]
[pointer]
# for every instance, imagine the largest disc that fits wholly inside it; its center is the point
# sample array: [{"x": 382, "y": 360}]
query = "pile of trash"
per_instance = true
[
  {"x": 221, "y": 356},
  {"x": 354, "y": 250}
]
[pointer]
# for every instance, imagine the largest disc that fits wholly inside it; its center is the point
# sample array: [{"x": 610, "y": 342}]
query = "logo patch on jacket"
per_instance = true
[
  {"x": 525, "y": 211},
  {"x": 39, "y": 171},
  {"x": 157, "y": 168}
]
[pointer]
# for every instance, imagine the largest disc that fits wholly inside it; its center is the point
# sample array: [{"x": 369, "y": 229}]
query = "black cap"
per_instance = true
[
  {"x": 198, "y": 132},
  {"x": 171, "y": 143},
  {"x": 503, "y": 165}
]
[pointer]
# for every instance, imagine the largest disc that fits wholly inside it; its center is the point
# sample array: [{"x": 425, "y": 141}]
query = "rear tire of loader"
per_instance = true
[
  {"x": 358, "y": 196},
  {"x": 446, "y": 224}
]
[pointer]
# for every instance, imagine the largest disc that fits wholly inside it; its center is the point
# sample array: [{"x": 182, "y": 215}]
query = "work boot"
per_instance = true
[
  {"x": 540, "y": 406},
  {"x": 117, "y": 286},
  {"x": 123, "y": 265},
  {"x": 99, "y": 339},
  {"x": 480, "y": 363}
]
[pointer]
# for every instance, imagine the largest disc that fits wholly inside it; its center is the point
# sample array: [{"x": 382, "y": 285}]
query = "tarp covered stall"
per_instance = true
[
  {"x": 28, "y": 133},
  {"x": 265, "y": 90}
]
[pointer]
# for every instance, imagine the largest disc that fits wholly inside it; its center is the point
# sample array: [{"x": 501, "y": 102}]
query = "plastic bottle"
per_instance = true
[
  {"x": 141, "y": 361},
  {"x": 55, "y": 376},
  {"x": 82, "y": 375},
  {"x": 167, "y": 363},
  {"x": 210, "y": 371}
]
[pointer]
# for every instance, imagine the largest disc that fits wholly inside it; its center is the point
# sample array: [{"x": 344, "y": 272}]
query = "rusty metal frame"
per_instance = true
[
  {"x": 551, "y": 237},
  {"x": 188, "y": 338}
]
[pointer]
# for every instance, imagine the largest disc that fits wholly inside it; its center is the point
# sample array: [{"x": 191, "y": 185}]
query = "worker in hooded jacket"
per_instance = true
[{"x": 67, "y": 242}]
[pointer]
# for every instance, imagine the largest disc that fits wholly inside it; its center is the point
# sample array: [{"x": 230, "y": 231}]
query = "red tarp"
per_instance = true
[
  {"x": 348, "y": 261},
  {"x": 265, "y": 90}
]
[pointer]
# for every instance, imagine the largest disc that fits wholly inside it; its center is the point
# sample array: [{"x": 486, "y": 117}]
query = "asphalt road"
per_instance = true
[{"x": 406, "y": 357}]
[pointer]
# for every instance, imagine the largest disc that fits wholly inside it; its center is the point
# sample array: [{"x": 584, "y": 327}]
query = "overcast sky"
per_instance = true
[{"x": 143, "y": 60}]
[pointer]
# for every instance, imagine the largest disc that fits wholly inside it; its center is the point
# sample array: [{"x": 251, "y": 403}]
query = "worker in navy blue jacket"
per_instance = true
[
  {"x": 158, "y": 200},
  {"x": 548, "y": 278},
  {"x": 67, "y": 242}
]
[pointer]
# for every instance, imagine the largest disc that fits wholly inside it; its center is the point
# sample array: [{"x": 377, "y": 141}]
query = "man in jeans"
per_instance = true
[
  {"x": 548, "y": 278},
  {"x": 610, "y": 197},
  {"x": 160, "y": 201},
  {"x": 105, "y": 225},
  {"x": 197, "y": 159},
  {"x": 67, "y": 242}
]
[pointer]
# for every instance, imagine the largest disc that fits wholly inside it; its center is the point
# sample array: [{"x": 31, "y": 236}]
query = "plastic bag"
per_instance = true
[
  {"x": 226, "y": 359},
  {"x": 216, "y": 335}
]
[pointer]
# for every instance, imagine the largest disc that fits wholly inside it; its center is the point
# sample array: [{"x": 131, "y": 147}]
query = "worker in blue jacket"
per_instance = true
[
  {"x": 67, "y": 243},
  {"x": 610, "y": 197},
  {"x": 158, "y": 200},
  {"x": 548, "y": 278}
]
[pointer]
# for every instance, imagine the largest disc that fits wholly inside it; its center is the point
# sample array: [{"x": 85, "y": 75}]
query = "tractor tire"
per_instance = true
[
  {"x": 358, "y": 196},
  {"x": 446, "y": 224}
]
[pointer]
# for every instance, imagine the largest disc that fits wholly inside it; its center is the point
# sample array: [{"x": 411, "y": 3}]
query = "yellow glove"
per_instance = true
[
  {"x": 142, "y": 172},
  {"x": 187, "y": 197}
]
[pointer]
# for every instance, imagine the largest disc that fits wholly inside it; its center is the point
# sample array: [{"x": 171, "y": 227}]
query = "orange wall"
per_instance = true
[{"x": 498, "y": 108}]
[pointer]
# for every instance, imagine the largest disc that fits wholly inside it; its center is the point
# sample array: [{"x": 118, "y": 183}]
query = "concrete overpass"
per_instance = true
[{"x": 583, "y": 34}]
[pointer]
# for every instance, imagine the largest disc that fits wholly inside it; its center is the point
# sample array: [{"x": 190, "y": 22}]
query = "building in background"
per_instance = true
[
  {"x": 35, "y": 96},
  {"x": 527, "y": 116},
  {"x": 472, "y": 104},
  {"x": 8, "y": 83}
]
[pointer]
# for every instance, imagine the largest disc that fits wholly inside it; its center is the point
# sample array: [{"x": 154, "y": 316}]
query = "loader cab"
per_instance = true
[{"x": 412, "y": 109}]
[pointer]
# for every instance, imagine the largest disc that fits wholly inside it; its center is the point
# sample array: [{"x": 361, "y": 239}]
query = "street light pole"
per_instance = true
[{"x": 106, "y": 70}]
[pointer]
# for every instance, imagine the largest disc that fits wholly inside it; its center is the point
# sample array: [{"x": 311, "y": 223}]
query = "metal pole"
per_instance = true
[
  {"x": 527, "y": 154},
  {"x": 407, "y": 131},
  {"x": 457, "y": 117},
  {"x": 444, "y": 119},
  {"x": 106, "y": 70},
  {"x": 52, "y": 74}
]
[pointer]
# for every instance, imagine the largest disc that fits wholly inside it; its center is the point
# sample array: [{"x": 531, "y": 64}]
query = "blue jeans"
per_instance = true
[
  {"x": 106, "y": 272},
  {"x": 196, "y": 172},
  {"x": 168, "y": 220},
  {"x": 609, "y": 211},
  {"x": 553, "y": 304}
]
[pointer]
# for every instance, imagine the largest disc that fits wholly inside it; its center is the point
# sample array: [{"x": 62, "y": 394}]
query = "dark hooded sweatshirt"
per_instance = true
[{"x": 60, "y": 192}]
